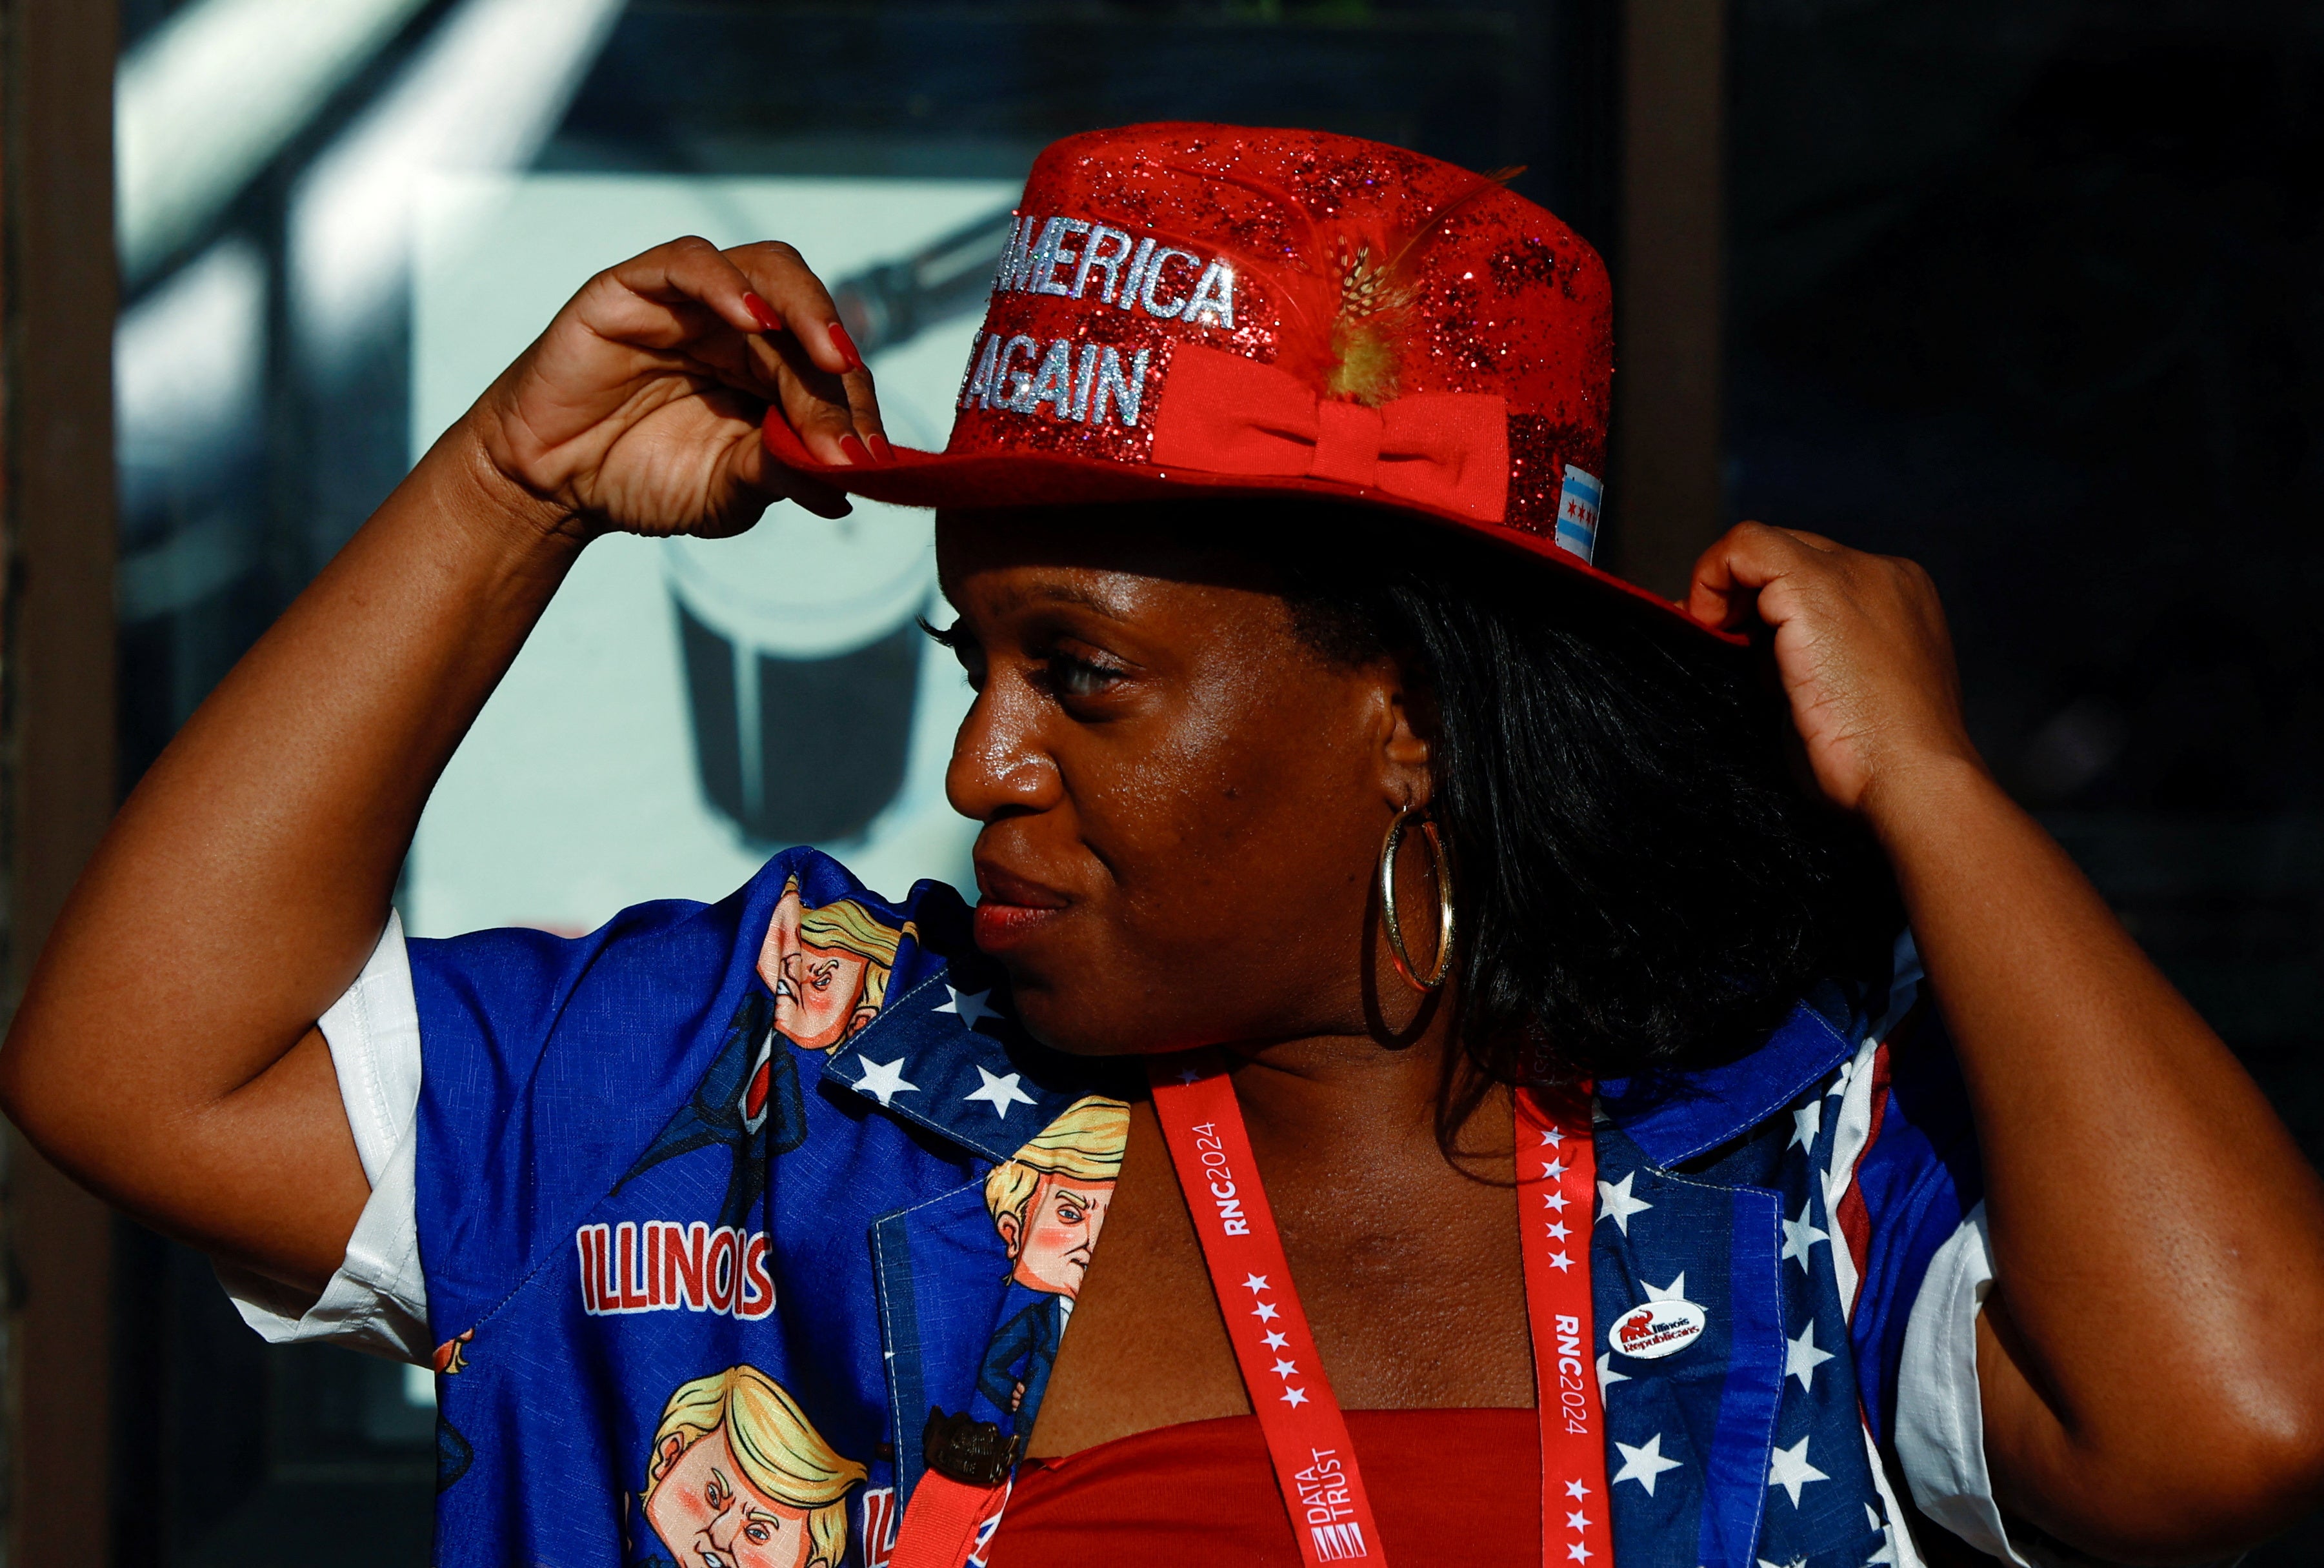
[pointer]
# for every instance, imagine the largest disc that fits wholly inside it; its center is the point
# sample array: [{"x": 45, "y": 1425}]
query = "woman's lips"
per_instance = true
[{"x": 1013, "y": 909}]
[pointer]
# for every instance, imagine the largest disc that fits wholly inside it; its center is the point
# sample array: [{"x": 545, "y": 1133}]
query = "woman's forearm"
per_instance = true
[
  {"x": 2155, "y": 1230},
  {"x": 247, "y": 879}
]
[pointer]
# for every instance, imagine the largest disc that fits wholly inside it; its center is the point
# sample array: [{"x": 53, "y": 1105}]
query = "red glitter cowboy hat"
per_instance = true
[{"x": 1212, "y": 309}]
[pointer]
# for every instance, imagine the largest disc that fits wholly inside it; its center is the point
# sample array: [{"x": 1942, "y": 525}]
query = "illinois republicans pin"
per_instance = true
[{"x": 1657, "y": 1329}]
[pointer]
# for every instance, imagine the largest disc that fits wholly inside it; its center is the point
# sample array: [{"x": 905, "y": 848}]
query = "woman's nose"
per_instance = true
[{"x": 998, "y": 767}]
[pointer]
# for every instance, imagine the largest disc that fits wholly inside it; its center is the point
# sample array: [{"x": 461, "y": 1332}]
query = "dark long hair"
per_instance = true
[{"x": 1647, "y": 881}]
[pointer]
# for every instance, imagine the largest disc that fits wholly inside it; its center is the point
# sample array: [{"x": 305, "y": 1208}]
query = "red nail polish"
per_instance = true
[
  {"x": 880, "y": 447},
  {"x": 846, "y": 347},
  {"x": 856, "y": 452},
  {"x": 762, "y": 313}
]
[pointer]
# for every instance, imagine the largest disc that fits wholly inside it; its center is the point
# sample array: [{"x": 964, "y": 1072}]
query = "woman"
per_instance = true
[{"x": 1377, "y": 813}]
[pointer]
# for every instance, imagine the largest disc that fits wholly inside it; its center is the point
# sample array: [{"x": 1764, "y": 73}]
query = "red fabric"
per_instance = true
[
  {"x": 1231, "y": 415},
  {"x": 1447, "y": 1487},
  {"x": 940, "y": 1525},
  {"x": 918, "y": 478}
]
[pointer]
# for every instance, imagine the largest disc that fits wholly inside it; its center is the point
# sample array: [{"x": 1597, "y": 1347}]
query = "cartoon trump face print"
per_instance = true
[
  {"x": 827, "y": 967},
  {"x": 739, "y": 1478},
  {"x": 1049, "y": 1202}
]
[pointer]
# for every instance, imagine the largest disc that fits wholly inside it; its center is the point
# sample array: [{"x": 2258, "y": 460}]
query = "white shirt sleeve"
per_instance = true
[
  {"x": 1939, "y": 1420},
  {"x": 378, "y": 1300},
  {"x": 1940, "y": 1423}
]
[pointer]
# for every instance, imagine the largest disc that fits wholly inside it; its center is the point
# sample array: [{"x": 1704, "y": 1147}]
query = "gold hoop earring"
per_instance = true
[{"x": 1443, "y": 864}]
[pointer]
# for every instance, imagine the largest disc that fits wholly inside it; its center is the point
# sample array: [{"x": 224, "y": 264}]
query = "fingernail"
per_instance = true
[
  {"x": 880, "y": 447},
  {"x": 762, "y": 313},
  {"x": 845, "y": 344},
  {"x": 856, "y": 454}
]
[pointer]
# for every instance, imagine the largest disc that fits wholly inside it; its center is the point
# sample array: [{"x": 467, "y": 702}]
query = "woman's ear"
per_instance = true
[{"x": 1407, "y": 744}]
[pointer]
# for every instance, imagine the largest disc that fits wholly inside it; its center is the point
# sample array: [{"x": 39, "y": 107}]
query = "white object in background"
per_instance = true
[
  {"x": 189, "y": 366},
  {"x": 206, "y": 100},
  {"x": 486, "y": 89}
]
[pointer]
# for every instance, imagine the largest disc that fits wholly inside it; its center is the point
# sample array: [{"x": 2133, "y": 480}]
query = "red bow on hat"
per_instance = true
[{"x": 1225, "y": 414}]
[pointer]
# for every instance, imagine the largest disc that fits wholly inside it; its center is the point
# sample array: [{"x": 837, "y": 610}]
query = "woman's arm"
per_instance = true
[
  {"x": 165, "y": 1053},
  {"x": 2151, "y": 1378}
]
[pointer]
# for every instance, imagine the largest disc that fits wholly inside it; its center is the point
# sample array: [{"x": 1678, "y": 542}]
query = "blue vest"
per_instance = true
[{"x": 703, "y": 1211}]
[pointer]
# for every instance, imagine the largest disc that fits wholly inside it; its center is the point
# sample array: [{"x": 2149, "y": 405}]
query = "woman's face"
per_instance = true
[{"x": 1182, "y": 801}]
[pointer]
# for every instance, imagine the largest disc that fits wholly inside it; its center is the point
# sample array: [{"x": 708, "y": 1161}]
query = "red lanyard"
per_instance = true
[
  {"x": 1298, "y": 1415},
  {"x": 1307, "y": 1436}
]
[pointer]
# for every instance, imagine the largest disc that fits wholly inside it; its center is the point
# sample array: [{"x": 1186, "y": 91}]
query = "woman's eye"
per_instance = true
[{"x": 1072, "y": 676}]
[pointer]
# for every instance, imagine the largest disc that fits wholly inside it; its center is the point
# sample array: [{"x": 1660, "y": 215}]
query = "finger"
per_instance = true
[
  {"x": 863, "y": 409},
  {"x": 814, "y": 344},
  {"x": 796, "y": 302},
  {"x": 756, "y": 472},
  {"x": 692, "y": 272},
  {"x": 1729, "y": 575},
  {"x": 816, "y": 404},
  {"x": 755, "y": 468}
]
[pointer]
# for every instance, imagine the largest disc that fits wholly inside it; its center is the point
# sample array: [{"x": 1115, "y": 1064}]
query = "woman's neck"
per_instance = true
[{"x": 1337, "y": 1101}]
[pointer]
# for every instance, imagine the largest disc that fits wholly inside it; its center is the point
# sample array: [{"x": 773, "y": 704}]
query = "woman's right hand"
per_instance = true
[{"x": 638, "y": 410}]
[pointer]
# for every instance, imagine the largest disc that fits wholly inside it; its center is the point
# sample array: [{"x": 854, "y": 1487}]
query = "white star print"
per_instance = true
[
  {"x": 1847, "y": 1071},
  {"x": 1644, "y": 1463},
  {"x": 1887, "y": 1555},
  {"x": 1276, "y": 1342},
  {"x": 1806, "y": 1122},
  {"x": 969, "y": 1006},
  {"x": 1791, "y": 1471},
  {"x": 1263, "y": 1312},
  {"x": 1555, "y": 1201},
  {"x": 1577, "y": 1521},
  {"x": 1802, "y": 1361},
  {"x": 1561, "y": 1262},
  {"x": 1295, "y": 1397},
  {"x": 1799, "y": 1235},
  {"x": 1578, "y": 1552},
  {"x": 1607, "y": 1375},
  {"x": 1615, "y": 1201},
  {"x": 1557, "y": 1230},
  {"x": 1257, "y": 1282},
  {"x": 1000, "y": 1093},
  {"x": 1575, "y": 1488},
  {"x": 1800, "y": 1562},
  {"x": 1287, "y": 1368},
  {"x": 1551, "y": 1138},
  {"x": 1674, "y": 1291},
  {"x": 884, "y": 1080},
  {"x": 1553, "y": 1169}
]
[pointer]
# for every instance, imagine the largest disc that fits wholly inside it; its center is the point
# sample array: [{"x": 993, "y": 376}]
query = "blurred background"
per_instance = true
[{"x": 2032, "y": 291}]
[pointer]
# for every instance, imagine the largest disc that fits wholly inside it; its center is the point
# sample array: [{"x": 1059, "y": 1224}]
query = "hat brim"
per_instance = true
[{"x": 983, "y": 481}]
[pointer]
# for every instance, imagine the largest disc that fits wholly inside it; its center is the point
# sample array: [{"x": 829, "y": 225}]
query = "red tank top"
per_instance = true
[{"x": 1447, "y": 1487}]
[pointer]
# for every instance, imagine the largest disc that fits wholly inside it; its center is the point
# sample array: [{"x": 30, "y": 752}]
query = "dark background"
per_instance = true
[{"x": 2027, "y": 289}]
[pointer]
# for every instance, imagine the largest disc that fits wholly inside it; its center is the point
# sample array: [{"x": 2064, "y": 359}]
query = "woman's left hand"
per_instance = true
[
  {"x": 2151, "y": 1224},
  {"x": 1860, "y": 644}
]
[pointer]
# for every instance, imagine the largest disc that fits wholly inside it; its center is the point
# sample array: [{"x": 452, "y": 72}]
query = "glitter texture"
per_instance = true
[
  {"x": 1365, "y": 273},
  {"x": 1368, "y": 271}
]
